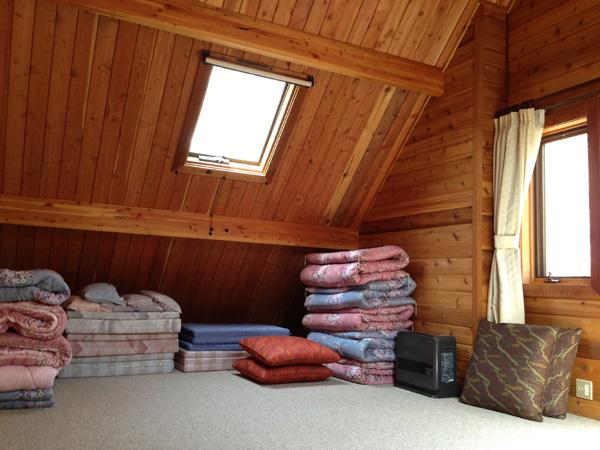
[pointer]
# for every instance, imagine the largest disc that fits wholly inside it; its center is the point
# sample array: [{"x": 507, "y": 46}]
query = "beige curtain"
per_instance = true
[{"x": 516, "y": 144}]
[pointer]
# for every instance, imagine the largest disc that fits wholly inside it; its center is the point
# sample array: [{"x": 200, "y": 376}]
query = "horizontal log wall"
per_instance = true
[
  {"x": 437, "y": 200},
  {"x": 553, "y": 46}
]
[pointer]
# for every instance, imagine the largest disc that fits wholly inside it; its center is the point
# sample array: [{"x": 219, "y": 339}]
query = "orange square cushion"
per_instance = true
[
  {"x": 287, "y": 350},
  {"x": 260, "y": 373}
]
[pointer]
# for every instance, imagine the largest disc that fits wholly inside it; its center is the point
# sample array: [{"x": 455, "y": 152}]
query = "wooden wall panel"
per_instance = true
[
  {"x": 110, "y": 98},
  {"x": 552, "y": 47},
  {"x": 434, "y": 201},
  {"x": 213, "y": 281},
  {"x": 91, "y": 109}
]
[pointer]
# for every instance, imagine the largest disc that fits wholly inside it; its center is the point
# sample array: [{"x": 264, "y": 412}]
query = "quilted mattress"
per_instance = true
[
  {"x": 111, "y": 369},
  {"x": 202, "y": 333},
  {"x": 122, "y": 326}
]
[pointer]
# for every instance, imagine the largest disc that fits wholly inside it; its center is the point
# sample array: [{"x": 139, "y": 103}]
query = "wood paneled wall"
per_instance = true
[
  {"x": 213, "y": 281},
  {"x": 553, "y": 46},
  {"x": 437, "y": 200},
  {"x": 91, "y": 109}
]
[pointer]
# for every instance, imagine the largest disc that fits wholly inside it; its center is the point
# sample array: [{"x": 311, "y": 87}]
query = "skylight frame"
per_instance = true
[{"x": 279, "y": 128}]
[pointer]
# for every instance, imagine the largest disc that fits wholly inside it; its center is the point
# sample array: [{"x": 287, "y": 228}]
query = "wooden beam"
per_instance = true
[
  {"x": 193, "y": 19},
  {"x": 154, "y": 222}
]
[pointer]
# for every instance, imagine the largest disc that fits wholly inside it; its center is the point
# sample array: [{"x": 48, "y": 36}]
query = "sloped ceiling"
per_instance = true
[{"x": 91, "y": 109}]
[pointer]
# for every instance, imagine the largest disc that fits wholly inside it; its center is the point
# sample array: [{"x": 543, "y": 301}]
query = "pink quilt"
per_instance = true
[
  {"x": 365, "y": 254},
  {"x": 357, "y": 322},
  {"x": 34, "y": 320},
  {"x": 17, "y": 378},
  {"x": 383, "y": 287},
  {"x": 358, "y": 374},
  {"x": 406, "y": 311},
  {"x": 16, "y": 350},
  {"x": 134, "y": 347},
  {"x": 352, "y": 274}
]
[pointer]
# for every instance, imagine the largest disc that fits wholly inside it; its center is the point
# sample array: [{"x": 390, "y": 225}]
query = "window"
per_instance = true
[
  {"x": 562, "y": 211},
  {"x": 237, "y": 120}
]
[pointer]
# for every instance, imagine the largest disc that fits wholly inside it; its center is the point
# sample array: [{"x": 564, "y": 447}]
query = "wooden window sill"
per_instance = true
[
  {"x": 565, "y": 289},
  {"x": 230, "y": 174}
]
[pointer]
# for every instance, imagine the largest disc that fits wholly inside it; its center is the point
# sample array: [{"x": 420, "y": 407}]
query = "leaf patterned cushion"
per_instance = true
[
  {"x": 558, "y": 381},
  {"x": 287, "y": 350},
  {"x": 508, "y": 369},
  {"x": 263, "y": 374}
]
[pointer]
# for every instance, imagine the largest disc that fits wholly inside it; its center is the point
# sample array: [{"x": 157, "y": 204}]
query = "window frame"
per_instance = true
[
  {"x": 553, "y": 134},
  {"x": 563, "y": 118},
  {"x": 262, "y": 170}
]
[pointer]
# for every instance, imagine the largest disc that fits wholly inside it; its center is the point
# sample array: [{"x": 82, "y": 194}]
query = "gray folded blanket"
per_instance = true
[
  {"x": 37, "y": 398},
  {"x": 45, "y": 286}
]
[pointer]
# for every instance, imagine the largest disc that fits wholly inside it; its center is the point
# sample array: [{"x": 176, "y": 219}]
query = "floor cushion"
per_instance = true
[
  {"x": 287, "y": 350},
  {"x": 507, "y": 371},
  {"x": 558, "y": 380},
  {"x": 263, "y": 374}
]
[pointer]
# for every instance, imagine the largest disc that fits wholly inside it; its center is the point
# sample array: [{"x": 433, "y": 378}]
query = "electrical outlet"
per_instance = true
[{"x": 584, "y": 389}]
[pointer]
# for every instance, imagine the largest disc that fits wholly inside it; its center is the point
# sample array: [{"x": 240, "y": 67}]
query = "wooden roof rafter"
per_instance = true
[{"x": 245, "y": 33}]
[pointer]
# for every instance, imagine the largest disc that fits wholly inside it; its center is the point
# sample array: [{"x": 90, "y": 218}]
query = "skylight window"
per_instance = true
[{"x": 237, "y": 125}]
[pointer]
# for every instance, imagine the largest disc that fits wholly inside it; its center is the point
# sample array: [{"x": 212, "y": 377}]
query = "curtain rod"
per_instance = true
[{"x": 548, "y": 104}]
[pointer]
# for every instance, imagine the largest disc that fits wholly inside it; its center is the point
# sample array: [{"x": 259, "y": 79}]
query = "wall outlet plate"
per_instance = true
[{"x": 584, "y": 389}]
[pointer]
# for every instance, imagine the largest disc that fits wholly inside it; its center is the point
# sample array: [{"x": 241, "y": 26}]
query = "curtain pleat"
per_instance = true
[{"x": 516, "y": 144}]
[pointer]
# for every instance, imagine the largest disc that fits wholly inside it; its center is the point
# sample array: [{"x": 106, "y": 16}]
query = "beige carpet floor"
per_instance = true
[{"x": 220, "y": 410}]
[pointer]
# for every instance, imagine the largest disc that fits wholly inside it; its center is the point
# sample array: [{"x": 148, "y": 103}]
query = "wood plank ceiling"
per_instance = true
[{"x": 91, "y": 109}]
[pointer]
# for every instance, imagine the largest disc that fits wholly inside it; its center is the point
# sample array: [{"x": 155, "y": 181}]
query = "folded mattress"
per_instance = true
[
  {"x": 33, "y": 320},
  {"x": 208, "y": 347},
  {"x": 36, "y": 398},
  {"x": 121, "y": 315},
  {"x": 359, "y": 375},
  {"x": 76, "y": 337},
  {"x": 360, "y": 255},
  {"x": 114, "y": 348},
  {"x": 122, "y": 326},
  {"x": 16, "y": 378},
  {"x": 111, "y": 369},
  {"x": 364, "y": 350},
  {"x": 352, "y": 274},
  {"x": 17, "y": 350},
  {"x": 208, "y": 333},
  {"x": 357, "y": 322},
  {"x": 123, "y": 358},
  {"x": 211, "y": 354},
  {"x": 44, "y": 286},
  {"x": 205, "y": 364}
]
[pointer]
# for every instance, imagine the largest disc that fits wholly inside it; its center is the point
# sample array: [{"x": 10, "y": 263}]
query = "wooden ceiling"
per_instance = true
[{"x": 91, "y": 109}]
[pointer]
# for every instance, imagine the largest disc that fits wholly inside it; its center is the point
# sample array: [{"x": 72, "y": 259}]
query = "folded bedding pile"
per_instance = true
[
  {"x": 357, "y": 302},
  {"x": 112, "y": 335},
  {"x": 32, "y": 348},
  {"x": 211, "y": 347}
]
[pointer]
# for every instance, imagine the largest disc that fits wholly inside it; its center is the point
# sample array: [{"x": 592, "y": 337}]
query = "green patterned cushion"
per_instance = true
[
  {"x": 558, "y": 381},
  {"x": 507, "y": 371}
]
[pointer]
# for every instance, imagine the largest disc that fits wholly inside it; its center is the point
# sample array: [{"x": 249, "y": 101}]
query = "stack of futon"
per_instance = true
[
  {"x": 32, "y": 348},
  {"x": 358, "y": 301},
  {"x": 112, "y": 335},
  {"x": 208, "y": 347}
]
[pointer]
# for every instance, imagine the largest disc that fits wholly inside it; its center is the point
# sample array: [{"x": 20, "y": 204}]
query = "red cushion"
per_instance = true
[
  {"x": 256, "y": 371},
  {"x": 287, "y": 350}
]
